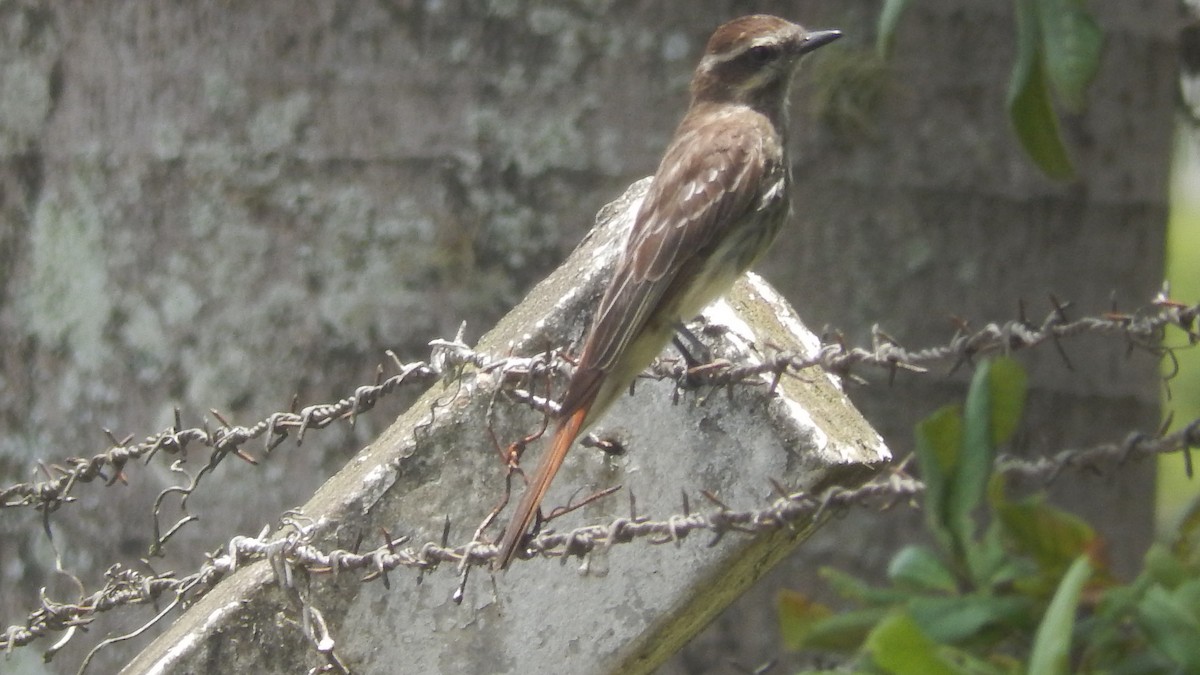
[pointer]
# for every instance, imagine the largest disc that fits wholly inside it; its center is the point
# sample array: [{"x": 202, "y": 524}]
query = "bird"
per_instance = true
[{"x": 716, "y": 201}]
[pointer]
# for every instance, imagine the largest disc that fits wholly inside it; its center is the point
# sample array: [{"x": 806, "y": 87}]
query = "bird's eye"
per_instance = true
[{"x": 763, "y": 53}]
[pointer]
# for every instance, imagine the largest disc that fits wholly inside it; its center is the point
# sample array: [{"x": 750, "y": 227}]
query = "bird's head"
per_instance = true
[{"x": 751, "y": 60}]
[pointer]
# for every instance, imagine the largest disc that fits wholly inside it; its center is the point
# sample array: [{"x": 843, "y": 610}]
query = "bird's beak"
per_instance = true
[{"x": 818, "y": 38}]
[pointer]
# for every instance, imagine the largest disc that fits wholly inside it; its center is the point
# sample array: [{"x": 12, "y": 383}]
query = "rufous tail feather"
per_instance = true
[{"x": 568, "y": 429}]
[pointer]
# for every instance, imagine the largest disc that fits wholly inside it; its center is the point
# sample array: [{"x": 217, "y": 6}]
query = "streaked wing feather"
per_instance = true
[{"x": 692, "y": 199}]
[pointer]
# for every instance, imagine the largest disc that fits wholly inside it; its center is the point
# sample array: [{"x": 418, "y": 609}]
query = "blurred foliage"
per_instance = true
[
  {"x": 1011, "y": 585},
  {"x": 849, "y": 86},
  {"x": 1059, "y": 46}
]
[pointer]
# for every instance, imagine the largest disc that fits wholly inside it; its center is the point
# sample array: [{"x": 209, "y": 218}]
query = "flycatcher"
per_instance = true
[{"x": 718, "y": 198}]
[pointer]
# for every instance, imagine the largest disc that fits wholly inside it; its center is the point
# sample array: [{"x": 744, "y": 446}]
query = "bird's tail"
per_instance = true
[{"x": 564, "y": 435}]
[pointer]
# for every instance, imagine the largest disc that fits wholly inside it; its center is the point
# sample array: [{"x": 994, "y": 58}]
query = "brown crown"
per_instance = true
[{"x": 734, "y": 35}]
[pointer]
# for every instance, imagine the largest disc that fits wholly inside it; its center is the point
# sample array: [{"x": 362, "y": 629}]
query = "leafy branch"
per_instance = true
[
  {"x": 1059, "y": 46},
  {"x": 1030, "y": 592}
]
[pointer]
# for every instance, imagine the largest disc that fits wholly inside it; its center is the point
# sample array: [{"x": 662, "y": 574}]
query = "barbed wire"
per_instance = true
[
  {"x": 293, "y": 553},
  {"x": 447, "y": 360},
  {"x": 1143, "y": 328},
  {"x": 53, "y": 492},
  {"x": 1137, "y": 445}
]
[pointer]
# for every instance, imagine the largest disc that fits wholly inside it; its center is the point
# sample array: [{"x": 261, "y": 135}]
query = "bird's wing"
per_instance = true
[{"x": 699, "y": 190}]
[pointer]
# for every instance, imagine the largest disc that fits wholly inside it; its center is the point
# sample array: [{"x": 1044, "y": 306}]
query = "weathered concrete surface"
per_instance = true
[{"x": 635, "y": 604}]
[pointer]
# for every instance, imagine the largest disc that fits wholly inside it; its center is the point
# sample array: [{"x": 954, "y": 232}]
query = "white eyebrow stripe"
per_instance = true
[{"x": 764, "y": 41}]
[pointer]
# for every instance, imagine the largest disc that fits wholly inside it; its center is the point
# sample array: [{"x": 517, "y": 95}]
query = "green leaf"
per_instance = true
[
  {"x": 938, "y": 446},
  {"x": 1187, "y": 539},
  {"x": 797, "y": 615},
  {"x": 1006, "y": 386},
  {"x": 975, "y": 465},
  {"x": 898, "y": 646},
  {"x": 889, "y": 18},
  {"x": 844, "y": 632},
  {"x": 852, "y": 588},
  {"x": 1072, "y": 42},
  {"x": 917, "y": 568},
  {"x": 955, "y": 619},
  {"x": 992, "y": 562},
  {"x": 1029, "y": 106},
  {"x": 1052, "y": 643},
  {"x": 1171, "y": 626},
  {"x": 1189, "y": 597},
  {"x": 1163, "y": 567},
  {"x": 1054, "y": 538}
]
